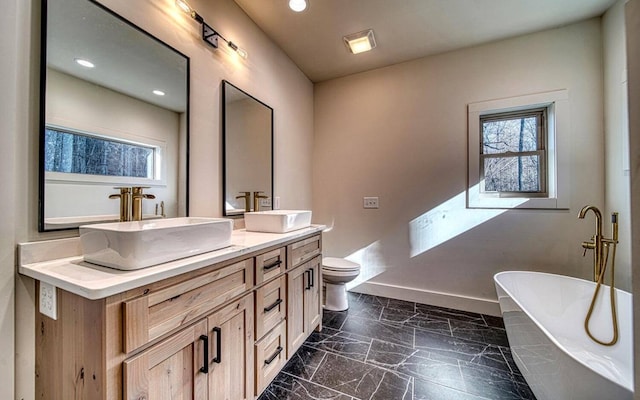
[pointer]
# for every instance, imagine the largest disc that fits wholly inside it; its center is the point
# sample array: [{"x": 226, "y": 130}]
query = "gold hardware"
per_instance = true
[
  {"x": 125, "y": 203},
  {"x": 602, "y": 247},
  {"x": 247, "y": 200},
  {"x": 256, "y": 200},
  {"x": 136, "y": 201}
]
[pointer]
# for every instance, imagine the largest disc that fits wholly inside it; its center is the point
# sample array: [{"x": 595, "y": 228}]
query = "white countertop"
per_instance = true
[{"x": 94, "y": 282}]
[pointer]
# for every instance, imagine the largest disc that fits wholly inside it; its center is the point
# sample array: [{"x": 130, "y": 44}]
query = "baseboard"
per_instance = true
[{"x": 472, "y": 304}]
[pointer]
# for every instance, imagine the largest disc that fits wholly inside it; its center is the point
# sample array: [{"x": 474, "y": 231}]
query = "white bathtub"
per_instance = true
[{"x": 544, "y": 316}]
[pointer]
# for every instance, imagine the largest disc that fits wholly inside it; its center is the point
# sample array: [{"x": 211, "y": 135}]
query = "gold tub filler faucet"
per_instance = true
[{"x": 602, "y": 248}]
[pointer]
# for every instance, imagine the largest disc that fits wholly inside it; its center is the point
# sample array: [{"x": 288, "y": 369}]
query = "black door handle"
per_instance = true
[
  {"x": 274, "y": 356},
  {"x": 272, "y": 306},
  {"x": 308, "y": 286},
  {"x": 218, "y": 357},
  {"x": 271, "y": 266},
  {"x": 205, "y": 339},
  {"x": 312, "y": 274}
]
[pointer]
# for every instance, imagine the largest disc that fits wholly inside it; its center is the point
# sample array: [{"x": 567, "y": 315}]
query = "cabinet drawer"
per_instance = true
[
  {"x": 270, "y": 356},
  {"x": 270, "y": 265},
  {"x": 271, "y": 305},
  {"x": 150, "y": 316},
  {"x": 303, "y": 251}
]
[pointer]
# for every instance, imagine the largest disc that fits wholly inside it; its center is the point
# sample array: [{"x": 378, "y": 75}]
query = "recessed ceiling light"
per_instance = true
[
  {"x": 158, "y": 92},
  {"x": 298, "y": 5},
  {"x": 84, "y": 63},
  {"x": 360, "y": 42}
]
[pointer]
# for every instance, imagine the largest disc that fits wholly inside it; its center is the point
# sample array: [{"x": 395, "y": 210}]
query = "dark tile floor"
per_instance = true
[{"x": 388, "y": 349}]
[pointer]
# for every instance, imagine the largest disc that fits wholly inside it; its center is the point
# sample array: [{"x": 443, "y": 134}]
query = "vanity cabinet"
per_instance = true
[{"x": 217, "y": 332}]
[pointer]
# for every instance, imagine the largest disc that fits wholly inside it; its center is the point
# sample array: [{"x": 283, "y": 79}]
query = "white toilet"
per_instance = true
[{"x": 335, "y": 273}]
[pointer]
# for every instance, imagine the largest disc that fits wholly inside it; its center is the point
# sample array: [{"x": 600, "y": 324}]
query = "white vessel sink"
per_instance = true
[
  {"x": 140, "y": 244},
  {"x": 277, "y": 221}
]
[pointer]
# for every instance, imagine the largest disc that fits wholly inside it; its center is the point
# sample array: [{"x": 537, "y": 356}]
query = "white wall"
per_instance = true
[
  {"x": 77, "y": 104},
  {"x": 268, "y": 74},
  {"x": 400, "y": 133},
  {"x": 617, "y": 138}
]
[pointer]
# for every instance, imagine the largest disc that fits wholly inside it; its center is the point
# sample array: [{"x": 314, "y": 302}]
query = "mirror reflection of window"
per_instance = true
[{"x": 76, "y": 153}]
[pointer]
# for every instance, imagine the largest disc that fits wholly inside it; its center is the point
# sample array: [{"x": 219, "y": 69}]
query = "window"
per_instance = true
[
  {"x": 77, "y": 153},
  {"x": 518, "y": 153},
  {"x": 512, "y": 153},
  {"x": 111, "y": 158}
]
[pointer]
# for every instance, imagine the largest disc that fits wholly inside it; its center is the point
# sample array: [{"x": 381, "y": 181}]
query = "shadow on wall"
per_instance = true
[{"x": 427, "y": 231}]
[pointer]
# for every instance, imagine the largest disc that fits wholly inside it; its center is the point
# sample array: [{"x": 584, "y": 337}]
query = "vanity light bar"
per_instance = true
[{"x": 209, "y": 34}]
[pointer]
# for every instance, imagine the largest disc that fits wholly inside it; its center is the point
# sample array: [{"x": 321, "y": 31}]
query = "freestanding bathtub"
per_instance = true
[{"x": 544, "y": 317}]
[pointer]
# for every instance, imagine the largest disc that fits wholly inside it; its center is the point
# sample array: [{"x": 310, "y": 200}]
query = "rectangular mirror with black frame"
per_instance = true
[
  {"x": 247, "y": 125},
  {"x": 114, "y": 113}
]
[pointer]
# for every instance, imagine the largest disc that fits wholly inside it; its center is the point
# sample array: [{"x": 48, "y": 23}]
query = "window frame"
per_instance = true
[
  {"x": 558, "y": 169},
  {"x": 541, "y": 133}
]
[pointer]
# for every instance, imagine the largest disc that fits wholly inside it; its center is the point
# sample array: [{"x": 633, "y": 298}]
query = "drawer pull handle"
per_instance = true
[
  {"x": 271, "y": 266},
  {"x": 312, "y": 274},
  {"x": 205, "y": 339},
  {"x": 274, "y": 305},
  {"x": 218, "y": 358},
  {"x": 274, "y": 356}
]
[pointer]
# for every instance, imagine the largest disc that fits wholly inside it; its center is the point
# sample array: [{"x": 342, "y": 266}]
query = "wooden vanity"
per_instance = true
[{"x": 219, "y": 331}]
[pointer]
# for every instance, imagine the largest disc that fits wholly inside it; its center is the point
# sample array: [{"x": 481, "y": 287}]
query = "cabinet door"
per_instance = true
[
  {"x": 172, "y": 369},
  {"x": 303, "y": 300},
  {"x": 312, "y": 301},
  {"x": 231, "y": 372}
]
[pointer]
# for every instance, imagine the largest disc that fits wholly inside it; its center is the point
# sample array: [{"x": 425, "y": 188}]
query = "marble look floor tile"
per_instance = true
[
  {"x": 417, "y": 363},
  {"x": 494, "y": 383},
  {"x": 461, "y": 350},
  {"x": 288, "y": 387},
  {"x": 415, "y": 320},
  {"x": 506, "y": 352},
  {"x": 426, "y": 390},
  {"x": 343, "y": 343},
  {"x": 379, "y": 330},
  {"x": 496, "y": 322},
  {"x": 402, "y": 305},
  {"x": 448, "y": 313},
  {"x": 478, "y": 333},
  {"x": 333, "y": 319},
  {"x": 304, "y": 362},
  {"x": 361, "y": 298},
  {"x": 360, "y": 380}
]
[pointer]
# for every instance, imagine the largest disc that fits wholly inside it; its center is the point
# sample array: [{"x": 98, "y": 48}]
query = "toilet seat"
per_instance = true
[{"x": 339, "y": 265}]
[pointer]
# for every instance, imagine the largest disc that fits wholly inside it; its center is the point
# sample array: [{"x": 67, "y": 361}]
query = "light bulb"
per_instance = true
[
  {"x": 184, "y": 6},
  {"x": 84, "y": 63},
  {"x": 298, "y": 5}
]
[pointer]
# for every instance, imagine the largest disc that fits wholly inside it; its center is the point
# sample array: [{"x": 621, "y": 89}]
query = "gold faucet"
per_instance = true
[
  {"x": 256, "y": 200},
  {"x": 247, "y": 200},
  {"x": 125, "y": 203},
  {"x": 136, "y": 202},
  {"x": 596, "y": 241},
  {"x": 602, "y": 247}
]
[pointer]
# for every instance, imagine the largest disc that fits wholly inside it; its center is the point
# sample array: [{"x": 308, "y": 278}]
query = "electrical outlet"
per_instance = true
[
  {"x": 370, "y": 202},
  {"x": 276, "y": 203},
  {"x": 265, "y": 202},
  {"x": 48, "y": 302}
]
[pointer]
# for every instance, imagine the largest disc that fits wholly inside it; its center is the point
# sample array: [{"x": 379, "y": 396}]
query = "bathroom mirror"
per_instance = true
[
  {"x": 114, "y": 112},
  {"x": 247, "y": 125}
]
